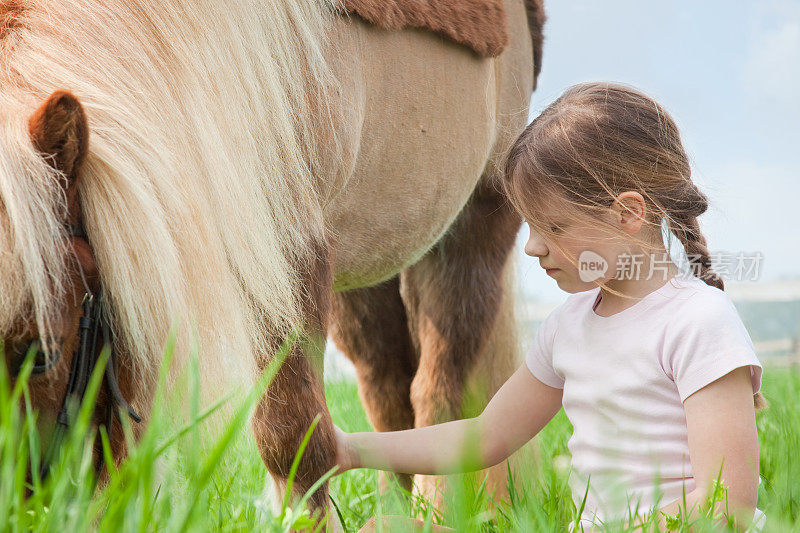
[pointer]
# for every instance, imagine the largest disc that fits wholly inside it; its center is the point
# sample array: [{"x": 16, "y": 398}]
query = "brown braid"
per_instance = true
[
  {"x": 682, "y": 212},
  {"x": 689, "y": 234},
  {"x": 684, "y": 225}
]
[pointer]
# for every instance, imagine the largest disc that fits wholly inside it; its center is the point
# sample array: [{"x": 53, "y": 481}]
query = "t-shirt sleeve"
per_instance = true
[
  {"x": 539, "y": 357},
  {"x": 707, "y": 340}
]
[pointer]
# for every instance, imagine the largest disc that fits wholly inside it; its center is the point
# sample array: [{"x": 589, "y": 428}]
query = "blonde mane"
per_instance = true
[{"x": 198, "y": 192}]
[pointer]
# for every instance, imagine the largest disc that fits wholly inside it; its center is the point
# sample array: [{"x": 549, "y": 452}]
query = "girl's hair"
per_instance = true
[{"x": 596, "y": 141}]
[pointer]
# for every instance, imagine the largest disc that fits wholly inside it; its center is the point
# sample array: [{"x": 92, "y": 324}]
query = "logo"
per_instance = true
[{"x": 591, "y": 266}]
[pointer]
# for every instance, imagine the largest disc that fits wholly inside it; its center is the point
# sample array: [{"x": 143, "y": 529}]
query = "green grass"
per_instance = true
[
  {"x": 546, "y": 504},
  {"x": 173, "y": 483}
]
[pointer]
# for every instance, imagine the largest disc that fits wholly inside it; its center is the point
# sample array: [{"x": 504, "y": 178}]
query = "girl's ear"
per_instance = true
[{"x": 630, "y": 211}]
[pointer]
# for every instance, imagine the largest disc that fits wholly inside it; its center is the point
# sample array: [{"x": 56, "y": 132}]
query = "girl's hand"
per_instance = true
[{"x": 346, "y": 457}]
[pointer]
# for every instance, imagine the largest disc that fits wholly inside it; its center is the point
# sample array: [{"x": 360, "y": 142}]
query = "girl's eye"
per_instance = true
[{"x": 557, "y": 228}]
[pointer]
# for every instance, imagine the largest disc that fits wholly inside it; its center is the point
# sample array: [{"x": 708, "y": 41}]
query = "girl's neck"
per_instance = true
[{"x": 635, "y": 288}]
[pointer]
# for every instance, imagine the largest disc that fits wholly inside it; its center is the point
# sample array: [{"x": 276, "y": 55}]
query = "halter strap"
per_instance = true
[{"x": 94, "y": 323}]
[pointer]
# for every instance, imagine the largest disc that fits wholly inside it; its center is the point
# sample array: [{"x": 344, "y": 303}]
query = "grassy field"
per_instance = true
[
  {"x": 547, "y": 503},
  {"x": 171, "y": 483}
]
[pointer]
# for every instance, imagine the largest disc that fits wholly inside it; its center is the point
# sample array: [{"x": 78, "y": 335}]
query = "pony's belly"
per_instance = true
[{"x": 420, "y": 128}]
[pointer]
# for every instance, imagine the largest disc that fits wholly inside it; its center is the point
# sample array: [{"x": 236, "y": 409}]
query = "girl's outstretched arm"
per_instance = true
[{"x": 519, "y": 410}]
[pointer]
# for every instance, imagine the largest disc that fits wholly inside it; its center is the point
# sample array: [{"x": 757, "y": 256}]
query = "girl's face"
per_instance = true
[
  {"x": 592, "y": 262},
  {"x": 580, "y": 255}
]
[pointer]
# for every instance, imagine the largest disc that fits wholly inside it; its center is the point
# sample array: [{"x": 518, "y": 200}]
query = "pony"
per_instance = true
[{"x": 247, "y": 167}]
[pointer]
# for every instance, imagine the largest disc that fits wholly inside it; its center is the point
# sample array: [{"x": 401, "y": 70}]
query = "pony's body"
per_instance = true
[
  {"x": 246, "y": 160},
  {"x": 418, "y": 139},
  {"x": 425, "y": 128}
]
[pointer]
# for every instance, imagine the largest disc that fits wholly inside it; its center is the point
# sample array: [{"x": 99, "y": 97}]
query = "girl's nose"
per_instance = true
[{"x": 535, "y": 247}]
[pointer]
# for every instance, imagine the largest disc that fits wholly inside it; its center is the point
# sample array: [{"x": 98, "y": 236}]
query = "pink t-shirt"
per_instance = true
[{"x": 625, "y": 377}]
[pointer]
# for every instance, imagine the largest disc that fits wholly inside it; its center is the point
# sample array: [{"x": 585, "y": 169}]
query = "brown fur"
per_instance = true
[
  {"x": 386, "y": 361},
  {"x": 536, "y": 20},
  {"x": 477, "y": 24},
  {"x": 415, "y": 353},
  {"x": 10, "y": 13},
  {"x": 296, "y": 394},
  {"x": 453, "y": 297},
  {"x": 59, "y": 130},
  {"x": 457, "y": 298},
  {"x": 371, "y": 328}
]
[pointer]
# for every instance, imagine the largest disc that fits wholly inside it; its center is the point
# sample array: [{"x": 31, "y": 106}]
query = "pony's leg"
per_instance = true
[
  {"x": 370, "y": 326},
  {"x": 296, "y": 396},
  {"x": 460, "y": 302}
]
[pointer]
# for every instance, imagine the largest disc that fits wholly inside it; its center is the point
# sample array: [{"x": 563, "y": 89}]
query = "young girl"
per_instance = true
[{"x": 651, "y": 364}]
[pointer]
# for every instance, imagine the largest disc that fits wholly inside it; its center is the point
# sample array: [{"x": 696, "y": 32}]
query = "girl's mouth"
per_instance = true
[{"x": 551, "y": 271}]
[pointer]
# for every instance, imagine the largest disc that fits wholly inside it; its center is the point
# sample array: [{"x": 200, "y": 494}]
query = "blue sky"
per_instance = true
[{"x": 729, "y": 73}]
